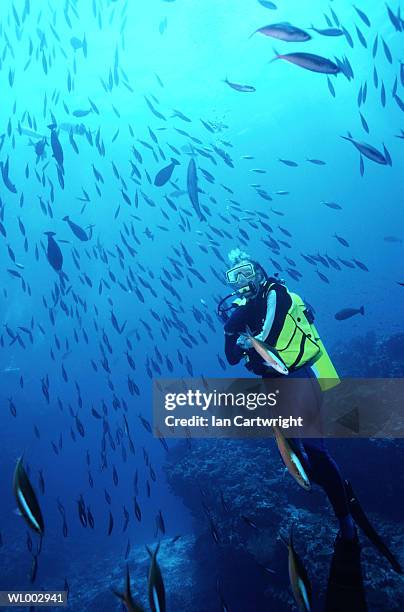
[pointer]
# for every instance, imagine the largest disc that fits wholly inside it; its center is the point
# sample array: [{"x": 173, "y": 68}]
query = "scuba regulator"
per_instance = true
[{"x": 223, "y": 310}]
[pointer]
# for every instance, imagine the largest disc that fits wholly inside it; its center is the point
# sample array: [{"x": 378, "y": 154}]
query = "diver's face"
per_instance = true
[
  {"x": 245, "y": 279},
  {"x": 250, "y": 290}
]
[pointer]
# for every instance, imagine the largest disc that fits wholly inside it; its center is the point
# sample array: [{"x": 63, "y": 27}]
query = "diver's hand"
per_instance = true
[{"x": 244, "y": 342}]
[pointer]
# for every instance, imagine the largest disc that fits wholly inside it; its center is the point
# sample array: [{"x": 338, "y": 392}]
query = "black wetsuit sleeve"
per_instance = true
[{"x": 232, "y": 329}]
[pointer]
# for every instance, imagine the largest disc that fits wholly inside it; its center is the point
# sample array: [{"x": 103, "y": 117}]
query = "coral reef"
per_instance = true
[
  {"x": 250, "y": 478},
  {"x": 370, "y": 356}
]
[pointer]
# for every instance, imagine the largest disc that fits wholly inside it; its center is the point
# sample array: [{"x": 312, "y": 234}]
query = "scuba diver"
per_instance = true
[{"x": 263, "y": 307}]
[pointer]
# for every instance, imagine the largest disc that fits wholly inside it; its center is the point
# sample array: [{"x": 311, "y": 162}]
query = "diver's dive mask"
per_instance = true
[
  {"x": 240, "y": 274},
  {"x": 246, "y": 278}
]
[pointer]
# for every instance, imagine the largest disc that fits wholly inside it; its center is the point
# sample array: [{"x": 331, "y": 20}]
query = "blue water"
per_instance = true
[{"x": 178, "y": 64}]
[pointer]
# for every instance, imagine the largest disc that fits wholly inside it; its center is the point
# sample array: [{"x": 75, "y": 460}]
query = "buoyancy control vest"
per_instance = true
[{"x": 298, "y": 343}]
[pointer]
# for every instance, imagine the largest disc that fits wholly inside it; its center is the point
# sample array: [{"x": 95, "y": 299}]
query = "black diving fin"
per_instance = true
[
  {"x": 363, "y": 522},
  {"x": 345, "y": 589}
]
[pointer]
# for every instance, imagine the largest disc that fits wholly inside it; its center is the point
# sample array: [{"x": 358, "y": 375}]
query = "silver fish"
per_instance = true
[
  {"x": 284, "y": 31},
  {"x": 310, "y": 61}
]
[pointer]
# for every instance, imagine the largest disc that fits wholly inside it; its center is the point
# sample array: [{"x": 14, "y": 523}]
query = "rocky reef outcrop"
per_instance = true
[
  {"x": 370, "y": 356},
  {"x": 240, "y": 489}
]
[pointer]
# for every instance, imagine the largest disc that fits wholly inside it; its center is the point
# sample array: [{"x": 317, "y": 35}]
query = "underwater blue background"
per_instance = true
[{"x": 157, "y": 57}]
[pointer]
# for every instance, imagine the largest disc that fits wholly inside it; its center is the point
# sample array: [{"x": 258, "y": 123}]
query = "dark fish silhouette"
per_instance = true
[
  {"x": 267, "y": 4},
  {"x": 138, "y": 512},
  {"x": 238, "y": 87},
  {"x": 90, "y": 518},
  {"x": 126, "y": 596},
  {"x": 333, "y": 205},
  {"x": 328, "y": 31},
  {"x": 289, "y": 162},
  {"x": 342, "y": 240},
  {"x": 317, "y": 162},
  {"x": 56, "y": 147},
  {"x": 156, "y": 590},
  {"x": 310, "y": 61},
  {"x": 110, "y": 523},
  {"x": 53, "y": 253},
  {"x": 164, "y": 175},
  {"x": 4, "y": 172},
  {"x": 34, "y": 568},
  {"x": 76, "y": 229},
  {"x": 284, "y": 31},
  {"x": 192, "y": 186},
  {"x": 145, "y": 423},
  {"x": 82, "y": 511},
  {"x": 347, "y": 313},
  {"x": 27, "y": 500},
  {"x": 369, "y": 151},
  {"x": 82, "y": 113},
  {"x": 363, "y": 16}
]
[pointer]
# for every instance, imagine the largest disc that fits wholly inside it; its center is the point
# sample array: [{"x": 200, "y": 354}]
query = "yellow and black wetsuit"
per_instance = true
[{"x": 292, "y": 333}]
